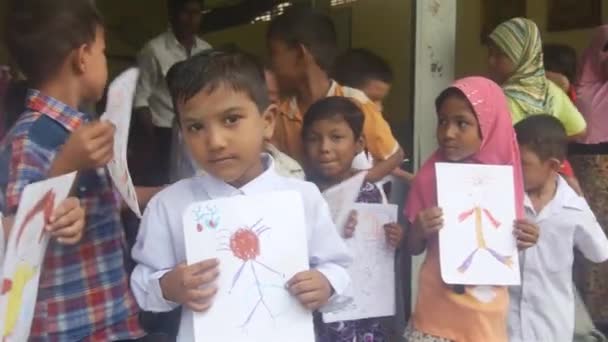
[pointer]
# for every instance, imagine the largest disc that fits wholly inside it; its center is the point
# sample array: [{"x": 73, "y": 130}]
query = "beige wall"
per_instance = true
[
  {"x": 471, "y": 55},
  {"x": 386, "y": 28}
]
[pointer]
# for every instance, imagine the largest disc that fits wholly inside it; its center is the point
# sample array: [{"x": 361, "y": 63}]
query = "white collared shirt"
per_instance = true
[
  {"x": 542, "y": 308},
  {"x": 160, "y": 241},
  {"x": 154, "y": 61}
]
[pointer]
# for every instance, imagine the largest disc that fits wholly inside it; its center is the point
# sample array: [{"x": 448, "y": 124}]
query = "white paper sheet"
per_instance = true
[
  {"x": 476, "y": 245},
  {"x": 118, "y": 111},
  {"x": 24, "y": 256},
  {"x": 373, "y": 269},
  {"x": 340, "y": 198},
  {"x": 261, "y": 243}
]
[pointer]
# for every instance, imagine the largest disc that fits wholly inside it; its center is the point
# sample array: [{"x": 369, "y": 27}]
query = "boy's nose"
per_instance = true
[{"x": 216, "y": 139}]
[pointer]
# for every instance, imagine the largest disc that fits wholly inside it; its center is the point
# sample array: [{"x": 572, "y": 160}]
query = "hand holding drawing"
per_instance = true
[
  {"x": 88, "y": 147},
  {"x": 66, "y": 224},
  {"x": 311, "y": 288},
  {"x": 191, "y": 285},
  {"x": 394, "y": 234},
  {"x": 429, "y": 221},
  {"x": 351, "y": 224},
  {"x": 526, "y": 234}
]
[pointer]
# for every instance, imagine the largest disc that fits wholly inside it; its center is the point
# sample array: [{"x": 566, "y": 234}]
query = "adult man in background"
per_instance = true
[{"x": 153, "y": 106}]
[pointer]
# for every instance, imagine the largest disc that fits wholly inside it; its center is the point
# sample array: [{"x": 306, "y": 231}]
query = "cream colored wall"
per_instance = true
[
  {"x": 385, "y": 27},
  {"x": 471, "y": 55}
]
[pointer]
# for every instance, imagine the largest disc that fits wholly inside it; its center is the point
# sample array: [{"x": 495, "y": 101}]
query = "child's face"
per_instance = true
[
  {"x": 376, "y": 91},
  {"x": 225, "y": 132},
  {"x": 536, "y": 172},
  {"x": 458, "y": 132},
  {"x": 286, "y": 64},
  {"x": 331, "y": 147},
  {"x": 93, "y": 67},
  {"x": 500, "y": 65}
]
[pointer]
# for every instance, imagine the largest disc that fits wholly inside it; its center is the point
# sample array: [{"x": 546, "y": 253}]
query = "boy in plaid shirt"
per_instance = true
[{"x": 84, "y": 292}]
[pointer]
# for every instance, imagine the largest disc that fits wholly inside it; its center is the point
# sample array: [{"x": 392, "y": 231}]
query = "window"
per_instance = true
[{"x": 275, "y": 12}]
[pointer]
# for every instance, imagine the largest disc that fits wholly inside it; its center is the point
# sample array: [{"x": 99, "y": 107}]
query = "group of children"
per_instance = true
[{"x": 227, "y": 121}]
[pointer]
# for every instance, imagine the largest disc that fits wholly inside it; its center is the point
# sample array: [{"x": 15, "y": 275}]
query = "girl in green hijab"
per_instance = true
[{"x": 516, "y": 62}]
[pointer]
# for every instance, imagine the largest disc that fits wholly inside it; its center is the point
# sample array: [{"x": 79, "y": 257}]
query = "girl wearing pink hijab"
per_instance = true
[
  {"x": 589, "y": 159},
  {"x": 474, "y": 126}
]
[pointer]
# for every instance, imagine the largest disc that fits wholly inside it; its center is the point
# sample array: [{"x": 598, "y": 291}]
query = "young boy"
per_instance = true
[
  {"x": 225, "y": 117},
  {"x": 183, "y": 166},
  {"x": 542, "y": 308},
  {"x": 364, "y": 70},
  {"x": 302, "y": 46},
  {"x": 84, "y": 291}
]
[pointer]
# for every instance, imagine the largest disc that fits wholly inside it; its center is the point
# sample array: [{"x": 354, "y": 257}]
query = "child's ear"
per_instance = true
[
  {"x": 269, "y": 119},
  {"x": 360, "y": 144},
  {"x": 79, "y": 58},
  {"x": 555, "y": 164},
  {"x": 305, "y": 55}
]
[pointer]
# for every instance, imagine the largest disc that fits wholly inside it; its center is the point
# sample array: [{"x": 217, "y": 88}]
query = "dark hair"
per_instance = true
[
  {"x": 452, "y": 92},
  {"x": 175, "y": 6},
  {"x": 561, "y": 59},
  {"x": 544, "y": 135},
  {"x": 40, "y": 34},
  {"x": 14, "y": 101},
  {"x": 356, "y": 67},
  {"x": 334, "y": 107},
  {"x": 313, "y": 29},
  {"x": 210, "y": 69}
]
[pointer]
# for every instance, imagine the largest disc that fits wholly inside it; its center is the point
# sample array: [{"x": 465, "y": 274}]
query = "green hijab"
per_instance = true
[{"x": 519, "y": 39}]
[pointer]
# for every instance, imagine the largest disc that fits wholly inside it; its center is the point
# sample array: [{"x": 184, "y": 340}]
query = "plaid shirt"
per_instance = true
[{"x": 84, "y": 291}]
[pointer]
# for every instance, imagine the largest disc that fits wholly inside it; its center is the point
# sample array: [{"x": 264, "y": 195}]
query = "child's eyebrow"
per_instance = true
[{"x": 195, "y": 115}]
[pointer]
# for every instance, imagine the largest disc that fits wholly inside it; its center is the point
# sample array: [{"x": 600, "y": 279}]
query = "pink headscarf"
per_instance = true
[
  {"x": 592, "y": 88},
  {"x": 498, "y": 146}
]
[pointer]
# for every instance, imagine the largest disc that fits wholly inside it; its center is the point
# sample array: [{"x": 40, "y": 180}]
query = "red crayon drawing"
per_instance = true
[{"x": 244, "y": 244}]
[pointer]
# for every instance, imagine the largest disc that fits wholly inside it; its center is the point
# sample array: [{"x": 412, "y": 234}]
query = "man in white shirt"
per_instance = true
[
  {"x": 542, "y": 308},
  {"x": 153, "y": 106}
]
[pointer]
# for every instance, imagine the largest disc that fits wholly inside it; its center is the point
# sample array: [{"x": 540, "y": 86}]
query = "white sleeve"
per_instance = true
[
  {"x": 149, "y": 73},
  {"x": 329, "y": 254},
  {"x": 154, "y": 254},
  {"x": 590, "y": 239}
]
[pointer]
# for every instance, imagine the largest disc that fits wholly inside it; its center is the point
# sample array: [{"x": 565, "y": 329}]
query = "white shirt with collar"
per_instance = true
[
  {"x": 542, "y": 308},
  {"x": 154, "y": 61},
  {"x": 160, "y": 241}
]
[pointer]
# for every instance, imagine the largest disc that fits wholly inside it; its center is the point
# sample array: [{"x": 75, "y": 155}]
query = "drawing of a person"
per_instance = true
[
  {"x": 24, "y": 272},
  {"x": 28, "y": 263},
  {"x": 478, "y": 211}
]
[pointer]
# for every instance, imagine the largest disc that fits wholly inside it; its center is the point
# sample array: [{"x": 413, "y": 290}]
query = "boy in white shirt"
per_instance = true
[
  {"x": 542, "y": 308},
  {"x": 225, "y": 117}
]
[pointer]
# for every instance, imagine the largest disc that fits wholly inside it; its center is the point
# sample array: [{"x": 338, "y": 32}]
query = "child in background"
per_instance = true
[
  {"x": 560, "y": 67},
  {"x": 225, "y": 117},
  {"x": 474, "y": 126},
  {"x": 302, "y": 47},
  {"x": 84, "y": 291},
  {"x": 566, "y": 222},
  {"x": 362, "y": 69},
  {"x": 366, "y": 71},
  {"x": 332, "y": 135}
]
